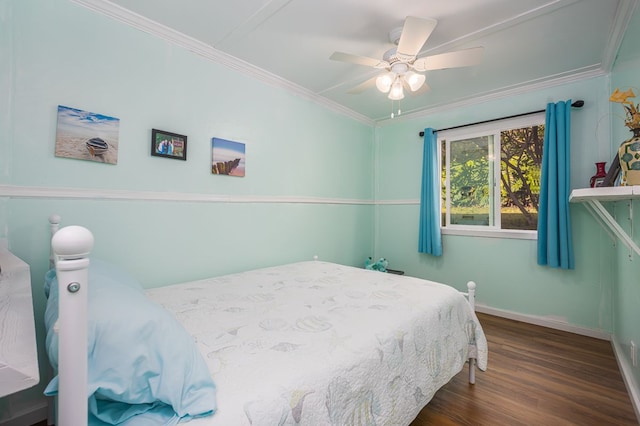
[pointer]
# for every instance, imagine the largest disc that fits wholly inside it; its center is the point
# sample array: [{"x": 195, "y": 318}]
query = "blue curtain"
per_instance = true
[
  {"x": 555, "y": 248},
  {"x": 430, "y": 240}
]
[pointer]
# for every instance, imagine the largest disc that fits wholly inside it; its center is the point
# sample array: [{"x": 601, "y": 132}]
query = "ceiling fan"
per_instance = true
[{"x": 401, "y": 66}]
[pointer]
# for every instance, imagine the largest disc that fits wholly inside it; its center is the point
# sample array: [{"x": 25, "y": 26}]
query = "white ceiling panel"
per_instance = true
[
  {"x": 206, "y": 21},
  {"x": 525, "y": 42}
]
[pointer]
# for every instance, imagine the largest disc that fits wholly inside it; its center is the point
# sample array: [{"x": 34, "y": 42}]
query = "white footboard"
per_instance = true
[
  {"x": 71, "y": 246},
  {"x": 471, "y": 294}
]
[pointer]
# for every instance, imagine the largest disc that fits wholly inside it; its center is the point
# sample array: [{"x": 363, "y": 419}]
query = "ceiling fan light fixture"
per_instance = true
[
  {"x": 401, "y": 68},
  {"x": 414, "y": 80},
  {"x": 384, "y": 81},
  {"x": 396, "y": 93}
]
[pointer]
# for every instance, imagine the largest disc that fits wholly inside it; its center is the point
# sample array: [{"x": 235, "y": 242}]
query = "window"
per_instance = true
[{"x": 491, "y": 177}]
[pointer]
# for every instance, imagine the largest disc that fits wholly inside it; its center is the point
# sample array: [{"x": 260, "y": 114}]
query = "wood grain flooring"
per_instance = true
[{"x": 536, "y": 376}]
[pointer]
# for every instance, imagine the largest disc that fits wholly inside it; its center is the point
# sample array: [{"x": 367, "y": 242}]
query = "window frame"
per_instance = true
[{"x": 493, "y": 128}]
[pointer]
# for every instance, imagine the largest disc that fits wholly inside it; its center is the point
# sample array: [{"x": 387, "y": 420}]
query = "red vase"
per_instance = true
[{"x": 601, "y": 173}]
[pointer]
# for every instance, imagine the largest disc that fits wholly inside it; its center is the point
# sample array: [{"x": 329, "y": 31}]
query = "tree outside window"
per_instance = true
[
  {"x": 479, "y": 192},
  {"x": 521, "y": 160}
]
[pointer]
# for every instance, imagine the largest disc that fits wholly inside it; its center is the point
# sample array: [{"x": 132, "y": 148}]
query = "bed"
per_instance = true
[{"x": 309, "y": 343}]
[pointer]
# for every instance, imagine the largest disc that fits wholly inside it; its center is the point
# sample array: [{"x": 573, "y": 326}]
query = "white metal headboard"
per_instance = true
[
  {"x": 70, "y": 248},
  {"x": 54, "y": 225}
]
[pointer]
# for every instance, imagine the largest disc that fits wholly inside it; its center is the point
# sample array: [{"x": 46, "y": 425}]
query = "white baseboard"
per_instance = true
[
  {"x": 627, "y": 374},
  {"x": 544, "y": 322},
  {"x": 28, "y": 416}
]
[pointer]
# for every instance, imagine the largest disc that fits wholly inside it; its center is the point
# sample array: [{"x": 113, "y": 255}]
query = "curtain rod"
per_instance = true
[{"x": 576, "y": 104}]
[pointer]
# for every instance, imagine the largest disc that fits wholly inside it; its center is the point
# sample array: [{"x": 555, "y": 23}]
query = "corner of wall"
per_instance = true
[{"x": 627, "y": 375}]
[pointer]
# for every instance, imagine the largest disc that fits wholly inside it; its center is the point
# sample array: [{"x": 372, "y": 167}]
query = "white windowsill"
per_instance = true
[{"x": 491, "y": 233}]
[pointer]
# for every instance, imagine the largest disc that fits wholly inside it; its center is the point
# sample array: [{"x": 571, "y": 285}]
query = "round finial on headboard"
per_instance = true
[
  {"x": 471, "y": 285},
  {"x": 54, "y": 219},
  {"x": 72, "y": 242}
]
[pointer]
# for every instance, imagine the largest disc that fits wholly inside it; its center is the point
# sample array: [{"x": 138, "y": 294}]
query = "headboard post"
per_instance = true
[
  {"x": 71, "y": 246},
  {"x": 54, "y": 225}
]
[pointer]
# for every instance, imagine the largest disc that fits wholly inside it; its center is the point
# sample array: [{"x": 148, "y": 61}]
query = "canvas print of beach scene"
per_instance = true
[
  {"x": 227, "y": 157},
  {"x": 87, "y": 136}
]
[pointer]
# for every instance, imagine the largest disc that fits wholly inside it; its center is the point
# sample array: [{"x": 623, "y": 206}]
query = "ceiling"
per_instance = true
[{"x": 527, "y": 43}]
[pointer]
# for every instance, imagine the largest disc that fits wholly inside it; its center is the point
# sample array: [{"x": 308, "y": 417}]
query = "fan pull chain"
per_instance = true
[{"x": 399, "y": 110}]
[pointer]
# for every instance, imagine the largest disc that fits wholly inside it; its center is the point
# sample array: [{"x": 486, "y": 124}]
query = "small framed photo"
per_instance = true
[{"x": 168, "y": 145}]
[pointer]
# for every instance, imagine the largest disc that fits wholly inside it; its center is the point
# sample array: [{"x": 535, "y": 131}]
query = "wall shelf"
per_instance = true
[{"x": 592, "y": 197}]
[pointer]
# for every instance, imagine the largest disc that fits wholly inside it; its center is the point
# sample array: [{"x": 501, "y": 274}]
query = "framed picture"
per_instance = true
[
  {"x": 85, "y": 135},
  {"x": 612, "y": 174},
  {"x": 227, "y": 157},
  {"x": 168, "y": 145}
]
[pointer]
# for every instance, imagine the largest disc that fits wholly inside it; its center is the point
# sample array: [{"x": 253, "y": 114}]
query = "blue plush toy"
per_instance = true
[
  {"x": 379, "y": 265},
  {"x": 368, "y": 264}
]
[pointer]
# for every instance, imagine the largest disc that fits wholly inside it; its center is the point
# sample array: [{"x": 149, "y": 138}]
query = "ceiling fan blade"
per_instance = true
[
  {"x": 367, "y": 84},
  {"x": 459, "y": 58},
  {"x": 359, "y": 60},
  {"x": 415, "y": 33}
]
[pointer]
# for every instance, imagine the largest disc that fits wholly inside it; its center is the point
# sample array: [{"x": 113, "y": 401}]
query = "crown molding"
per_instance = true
[
  {"x": 144, "y": 24},
  {"x": 623, "y": 15},
  {"x": 624, "y": 12},
  {"x": 511, "y": 21}
]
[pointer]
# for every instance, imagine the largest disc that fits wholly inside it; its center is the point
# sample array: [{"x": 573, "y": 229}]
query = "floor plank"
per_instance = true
[{"x": 536, "y": 376}]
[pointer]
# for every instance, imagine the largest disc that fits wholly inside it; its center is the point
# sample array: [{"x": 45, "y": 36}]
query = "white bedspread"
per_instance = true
[{"x": 317, "y": 343}]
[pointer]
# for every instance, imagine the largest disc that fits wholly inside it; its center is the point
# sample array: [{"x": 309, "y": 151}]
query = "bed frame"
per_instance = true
[{"x": 70, "y": 248}]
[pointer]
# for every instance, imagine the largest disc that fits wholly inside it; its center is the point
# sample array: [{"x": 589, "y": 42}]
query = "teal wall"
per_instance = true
[
  {"x": 626, "y": 307},
  {"x": 6, "y": 55},
  {"x": 505, "y": 270},
  {"x": 309, "y": 168},
  {"x": 330, "y": 166},
  {"x": 603, "y": 292}
]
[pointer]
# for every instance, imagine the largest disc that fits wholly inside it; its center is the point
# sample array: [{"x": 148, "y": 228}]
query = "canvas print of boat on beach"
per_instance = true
[
  {"x": 227, "y": 157},
  {"x": 87, "y": 136}
]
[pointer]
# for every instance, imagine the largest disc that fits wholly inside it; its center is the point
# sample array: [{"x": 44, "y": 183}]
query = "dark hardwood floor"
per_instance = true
[{"x": 536, "y": 376}]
